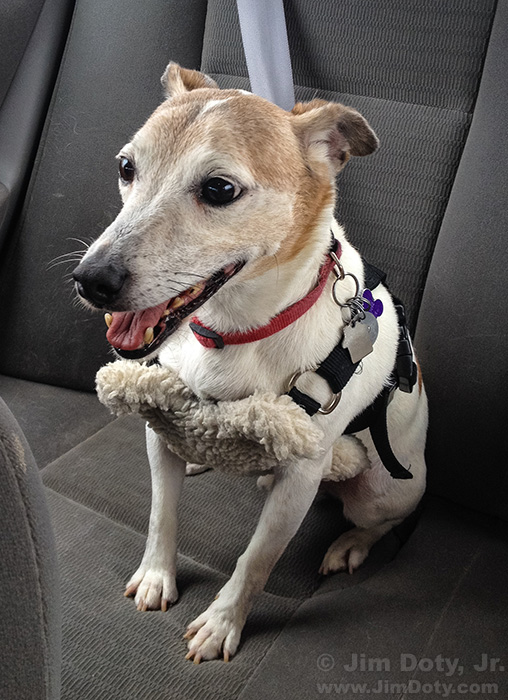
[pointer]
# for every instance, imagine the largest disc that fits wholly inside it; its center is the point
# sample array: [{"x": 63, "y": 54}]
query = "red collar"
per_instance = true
[{"x": 210, "y": 339}]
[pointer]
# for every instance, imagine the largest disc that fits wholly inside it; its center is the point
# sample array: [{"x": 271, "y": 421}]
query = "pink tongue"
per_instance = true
[{"x": 128, "y": 327}]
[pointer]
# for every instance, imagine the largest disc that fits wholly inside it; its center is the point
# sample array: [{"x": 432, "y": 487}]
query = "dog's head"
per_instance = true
[{"x": 214, "y": 185}]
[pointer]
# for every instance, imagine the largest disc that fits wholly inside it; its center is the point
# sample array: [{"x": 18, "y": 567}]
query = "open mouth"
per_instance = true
[{"x": 136, "y": 334}]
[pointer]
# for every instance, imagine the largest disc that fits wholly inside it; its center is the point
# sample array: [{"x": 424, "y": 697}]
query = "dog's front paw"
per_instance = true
[
  {"x": 215, "y": 633},
  {"x": 152, "y": 588}
]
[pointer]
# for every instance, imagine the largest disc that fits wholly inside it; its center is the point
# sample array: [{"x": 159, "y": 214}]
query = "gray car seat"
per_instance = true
[{"x": 429, "y": 208}]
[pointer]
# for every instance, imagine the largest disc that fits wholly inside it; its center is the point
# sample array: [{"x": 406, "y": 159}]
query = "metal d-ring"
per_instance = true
[
  {"x": 337, "y": 268},
  {"x": 357, "y": 290},
  {"x": 324, "y": 410},
  {"x": 341, "y": 275}
]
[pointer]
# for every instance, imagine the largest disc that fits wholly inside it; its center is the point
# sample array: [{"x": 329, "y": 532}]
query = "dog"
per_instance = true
[{"x": 228, "y": 207}]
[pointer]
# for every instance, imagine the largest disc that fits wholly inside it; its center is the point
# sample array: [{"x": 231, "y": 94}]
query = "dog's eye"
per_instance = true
[
  {"x": 219, "y": 191},
  {"x": 126, "y": 169}
]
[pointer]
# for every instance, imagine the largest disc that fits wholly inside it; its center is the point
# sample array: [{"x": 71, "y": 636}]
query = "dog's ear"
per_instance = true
[
  {"x": 177, "y": 80},
  {"x": 333, "y": 131}
]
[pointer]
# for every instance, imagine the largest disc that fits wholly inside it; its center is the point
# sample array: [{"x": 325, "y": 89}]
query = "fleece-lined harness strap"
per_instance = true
[
  {"x": 338, "y": 367},
  {"x": 374, "y": 417}
]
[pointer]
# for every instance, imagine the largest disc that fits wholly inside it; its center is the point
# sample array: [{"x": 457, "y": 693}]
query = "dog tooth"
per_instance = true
[
  {"x": 148, "y": 337},
  {"x": 109, "y": 319},
  {"x": 177, "y": 303},
  {"x": 197, "y": 289},
  {"x": 166, "y": 313}
]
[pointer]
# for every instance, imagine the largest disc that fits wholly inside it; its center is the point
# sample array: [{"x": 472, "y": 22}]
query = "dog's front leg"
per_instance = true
[
  {"x": 217, "y": 631},
  {"x": 154, "y": 584}
]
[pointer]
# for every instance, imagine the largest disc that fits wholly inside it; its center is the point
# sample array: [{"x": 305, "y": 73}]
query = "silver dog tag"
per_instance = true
[
  {"x": 357, "y": 340},
  {"x": 372, "y": 325}
]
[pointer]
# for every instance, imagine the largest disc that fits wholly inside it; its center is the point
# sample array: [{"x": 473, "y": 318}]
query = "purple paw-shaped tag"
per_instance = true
[{"x": 373, "y": 306}]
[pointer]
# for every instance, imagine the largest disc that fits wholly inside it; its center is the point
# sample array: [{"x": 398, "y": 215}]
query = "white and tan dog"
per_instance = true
[{"x": 228, "y": 206}]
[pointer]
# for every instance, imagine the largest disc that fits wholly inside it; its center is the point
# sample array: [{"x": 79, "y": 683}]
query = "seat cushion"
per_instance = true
[
  {"x": 99, "y": 495},
  {"x": 53, "y": 419},
  {"x": 113, "y": 652},
  {"x": 30, "y": 601},
  {"x": 109, "y": 474},
  {"x": 461, "y": 331},
  {"x": 445, "y": 595}
]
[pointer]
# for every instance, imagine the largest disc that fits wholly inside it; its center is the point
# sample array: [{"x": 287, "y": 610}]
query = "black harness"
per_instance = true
[{"x": 338, "y": 368}]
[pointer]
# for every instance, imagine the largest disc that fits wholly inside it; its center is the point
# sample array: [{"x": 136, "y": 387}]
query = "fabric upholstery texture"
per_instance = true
[
  {"x": 413, "y": 69},
  {"x": 18, "y": 21},
  {"x": 42, "y": 35},
  {"x": 114, "y": 652},
  {"x": 461, "y": 337},
  {"x": 444, "y": 594},
  {"x": 102, "y": 97},
  {"x": 30, "y": 603},
  {"x": 426, "y": 52},
  {"x": 53, "y": 419},
  {"x": 109, "y": 474}
]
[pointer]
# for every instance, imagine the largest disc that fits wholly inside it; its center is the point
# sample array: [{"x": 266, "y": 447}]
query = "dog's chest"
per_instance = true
[
  {"x": 236, "y": 371},
  {"x": 224, "y": 374}
]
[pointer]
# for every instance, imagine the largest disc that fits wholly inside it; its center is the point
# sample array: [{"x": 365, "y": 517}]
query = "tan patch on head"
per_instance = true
[
  {"x": 272, "y": 153},
  {"x": 266, "y": 143},
  {"x": 290, "y": 188},
  {"x": 308, "y": 212},
  {"x": 250, "y": 130},
  {"x": 261, "y": 136}
]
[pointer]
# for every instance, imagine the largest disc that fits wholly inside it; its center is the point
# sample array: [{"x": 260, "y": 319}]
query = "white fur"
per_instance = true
[
  {"x": 203, "y": 241},
  {"x": 237, "y": 371},
  {"x": 211, "y": 104}
]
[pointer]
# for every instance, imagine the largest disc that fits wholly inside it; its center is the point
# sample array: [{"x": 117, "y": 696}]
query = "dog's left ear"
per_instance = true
[
  {"x": 333, "y": 132},
  {"x": 177, "y": 80}
]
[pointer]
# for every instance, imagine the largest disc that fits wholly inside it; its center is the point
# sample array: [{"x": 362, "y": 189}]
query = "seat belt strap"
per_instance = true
[{"x": 265, "y": 42}]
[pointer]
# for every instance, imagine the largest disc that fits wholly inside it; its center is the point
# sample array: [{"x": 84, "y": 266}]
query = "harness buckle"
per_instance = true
[{"x": 324, "y": 410}]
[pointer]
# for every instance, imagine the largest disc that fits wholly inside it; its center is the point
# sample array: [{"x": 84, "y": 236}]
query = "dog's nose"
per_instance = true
[{"x": 99, "y": 283}]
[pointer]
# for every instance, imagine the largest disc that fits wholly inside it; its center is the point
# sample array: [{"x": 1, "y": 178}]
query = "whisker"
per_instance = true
[
  {"x": 71, "y": 256},
  {"x": 178, "y": 282},
  {"x": 194, "y": 274},
  {"x": 67, "y": 255},
  {"x": 78, "y": 240},
  {"x": 62, "y": 262}
]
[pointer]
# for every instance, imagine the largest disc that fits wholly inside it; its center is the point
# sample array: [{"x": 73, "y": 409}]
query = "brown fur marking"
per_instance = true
[{"x": 420, "y": 377}]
